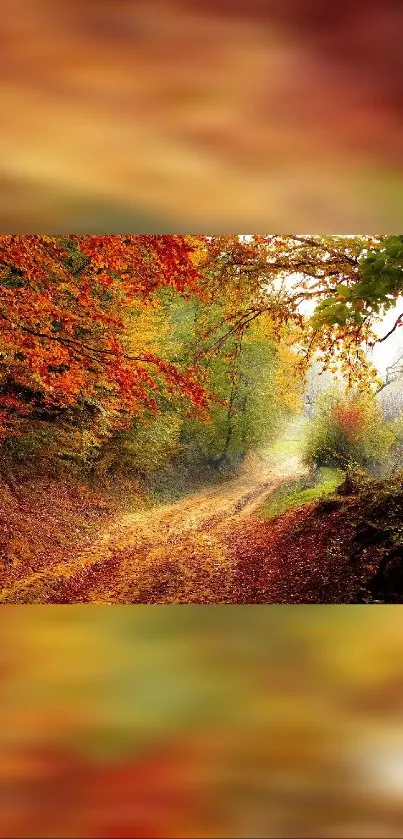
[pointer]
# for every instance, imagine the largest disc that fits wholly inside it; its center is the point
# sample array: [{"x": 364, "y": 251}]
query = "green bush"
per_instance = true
[
  {"x": 396, "y": 428},
  {"x": 348, "y": 433},
  {"x": 143, "y": 448},
  {"x": 49, "y": 448}
]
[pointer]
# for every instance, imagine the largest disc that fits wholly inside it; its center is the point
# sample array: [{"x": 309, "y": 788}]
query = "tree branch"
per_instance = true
[
  {"x": 77, "y": 345},
  {"x": 397, "y": 323}
]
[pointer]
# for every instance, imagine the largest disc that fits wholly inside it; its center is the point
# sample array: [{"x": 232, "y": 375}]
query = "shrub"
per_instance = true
[
  {"x": 349, "y": 433},
  {"x": 143, "y": 448},
  {"x": 48, "y": 448},
  {"x": 396, "y": 428}
]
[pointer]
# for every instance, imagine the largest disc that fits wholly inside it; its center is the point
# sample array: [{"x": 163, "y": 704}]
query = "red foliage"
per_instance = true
[
  {"x": 62, "y": 321},
  {"x": 350, "y": 419}
]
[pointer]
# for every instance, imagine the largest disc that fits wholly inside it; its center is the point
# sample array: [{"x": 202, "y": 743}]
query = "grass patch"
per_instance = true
[{"x": 302, "y": 491}]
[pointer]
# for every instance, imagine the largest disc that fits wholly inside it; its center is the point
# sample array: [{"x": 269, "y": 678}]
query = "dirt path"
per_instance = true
[
  {"x": 167, "y": 554},
  {"x": 177, "y": 553}
]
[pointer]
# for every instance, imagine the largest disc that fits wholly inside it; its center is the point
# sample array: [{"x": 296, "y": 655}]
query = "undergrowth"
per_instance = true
[{"x": 293, "y": 494}]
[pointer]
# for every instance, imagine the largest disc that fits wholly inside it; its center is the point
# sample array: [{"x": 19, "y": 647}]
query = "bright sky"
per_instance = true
[
  {"x": 382, "y": 355},
  {"x": 385, "y": 354}
]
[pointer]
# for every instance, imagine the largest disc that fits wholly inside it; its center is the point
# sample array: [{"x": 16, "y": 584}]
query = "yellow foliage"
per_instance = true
[
  {"x": 200, "y": 252},
  {"x": 288, "y": 377},
  {"x": 146, "y": 330}
]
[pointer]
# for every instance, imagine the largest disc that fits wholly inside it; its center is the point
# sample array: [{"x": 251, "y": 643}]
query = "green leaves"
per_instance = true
[
  {"x": 371, "y": 292},
  {"x": 334, "y": 312}
]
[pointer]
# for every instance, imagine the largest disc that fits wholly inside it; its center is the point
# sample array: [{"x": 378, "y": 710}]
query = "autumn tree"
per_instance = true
[
  {"x": 334, "y": 288},
  {"x": 105, "y": 332},
  {"x": 64, "y": 304}
]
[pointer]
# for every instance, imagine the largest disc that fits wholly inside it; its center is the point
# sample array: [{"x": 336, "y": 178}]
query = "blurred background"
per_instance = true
[
  {"x": 201, "y": 722},
  {"x": 176, "y": 115}
]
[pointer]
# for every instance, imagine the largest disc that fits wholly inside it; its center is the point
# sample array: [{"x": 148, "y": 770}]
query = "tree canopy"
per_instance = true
[{"x": 76, "y": 314}]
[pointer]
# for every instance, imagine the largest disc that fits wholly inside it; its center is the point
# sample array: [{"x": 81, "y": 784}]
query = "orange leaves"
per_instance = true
[
  {"x": 351, "y": 419},
  {"x": 106, "y": 280},
  {"x": 67, "y": 306},
  {"x": 62, "y": 316},
  {"x": 144, "y": 263}
]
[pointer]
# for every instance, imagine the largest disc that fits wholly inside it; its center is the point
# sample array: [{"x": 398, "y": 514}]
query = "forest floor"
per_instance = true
[
  {"x": 213, "y": 546},
  {"x": 164, "y": 554}
]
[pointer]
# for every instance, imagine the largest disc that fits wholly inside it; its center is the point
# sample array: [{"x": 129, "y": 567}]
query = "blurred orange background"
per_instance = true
[
  {"x": 201, "y": 722},
  {"x": 172, "y": 115}
]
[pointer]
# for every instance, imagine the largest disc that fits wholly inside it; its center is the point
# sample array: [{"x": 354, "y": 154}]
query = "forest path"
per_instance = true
[
  {"x": 177, "y": 552},
  {"x": 165, "y": 554}
]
